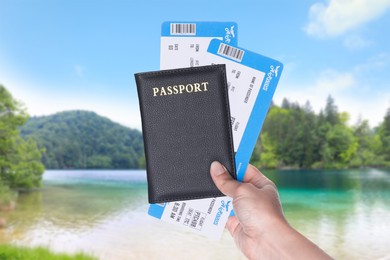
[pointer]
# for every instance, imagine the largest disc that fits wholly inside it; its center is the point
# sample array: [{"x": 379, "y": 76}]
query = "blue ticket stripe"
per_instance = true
[
  {"x": 226, "y": 30},
  {"x": 272, "y": 69},
  {"x": 156, "y": 210},
  {"x": 252, "y": 130}
]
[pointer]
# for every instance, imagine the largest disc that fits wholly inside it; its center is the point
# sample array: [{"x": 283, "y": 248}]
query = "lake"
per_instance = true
[{"x": 103, "y": 213}]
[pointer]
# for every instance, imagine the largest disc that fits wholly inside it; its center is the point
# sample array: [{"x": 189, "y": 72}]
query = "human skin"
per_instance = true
[{"x": 259, "y": 227}]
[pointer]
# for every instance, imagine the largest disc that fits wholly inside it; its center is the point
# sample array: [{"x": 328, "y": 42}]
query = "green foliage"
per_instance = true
[
  {"x": 20, "y": 165},
  {"x": 22, "y": 253},
  {"x": 294, "y": 136},
  {"x": 331, "y": 112},
  {"x": 268, "y": 155},
  {"x": 142, "y": 163},
  {"x": 341, "y": 144},
  {"x": 7, "y": 196},
  {"x": 384, "y": 136},
  {"x": 85, "y": 140}
]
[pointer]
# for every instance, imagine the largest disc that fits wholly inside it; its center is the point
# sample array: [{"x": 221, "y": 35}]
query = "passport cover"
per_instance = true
[{"x": 186, "y": 125}]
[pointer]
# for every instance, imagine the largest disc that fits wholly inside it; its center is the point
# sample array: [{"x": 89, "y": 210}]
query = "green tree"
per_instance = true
[
  {"x": 20, "y": 165},
  {"x": 289, "y": 137},
  {"x": 384, "y": 134},
  {"x": 294, "y": 136},
  {"x": 331, "y": 111},
  {"x": 336, "y": 143},
  {"x": 267, "y": 155},
  {"x": 142, "y": 162},
  {"x": 342, "y": 145},
  {"x": 369, "y": 148},
  {"x": 85, "y": 140}
]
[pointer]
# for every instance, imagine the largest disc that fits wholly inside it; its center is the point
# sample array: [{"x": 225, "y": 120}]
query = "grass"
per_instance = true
[{"x": 11, "y": 252}]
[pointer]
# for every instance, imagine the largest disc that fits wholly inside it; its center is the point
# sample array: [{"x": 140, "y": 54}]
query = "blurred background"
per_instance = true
[{"x": 72, "y": 180}]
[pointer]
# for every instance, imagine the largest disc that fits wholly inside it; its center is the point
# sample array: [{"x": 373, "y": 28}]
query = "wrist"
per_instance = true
[
  {"x": 282, "y": 241},
  {"x": 277, "y": 239}
]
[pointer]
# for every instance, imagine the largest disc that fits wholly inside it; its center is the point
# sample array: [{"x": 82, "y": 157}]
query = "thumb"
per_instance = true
[{"x": 222, "y": 179}]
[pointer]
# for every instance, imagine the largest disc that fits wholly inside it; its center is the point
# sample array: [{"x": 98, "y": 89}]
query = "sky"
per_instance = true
[{"x": 71, "y": 54}]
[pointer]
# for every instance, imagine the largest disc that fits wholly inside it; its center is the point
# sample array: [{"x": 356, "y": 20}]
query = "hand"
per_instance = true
[{"x": 259, "y": 228}]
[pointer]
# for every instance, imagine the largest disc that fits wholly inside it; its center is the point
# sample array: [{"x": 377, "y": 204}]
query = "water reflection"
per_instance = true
[
  {"x": 343, "y": 211},
  {"x": 71, "y": 204},
  {"x": 104, "y": 213}
]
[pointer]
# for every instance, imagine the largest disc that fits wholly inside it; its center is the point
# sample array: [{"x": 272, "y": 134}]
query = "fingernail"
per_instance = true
[{"x": 217, "y": 168}]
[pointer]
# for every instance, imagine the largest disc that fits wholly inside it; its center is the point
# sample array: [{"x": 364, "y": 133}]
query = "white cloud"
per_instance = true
[
  {"x": 337, "y": 17},
  {"x": 353, "y": 91},
  {"x": 332, "y": 81},
  {"x": 372, "y": 108},
  {"x": 329, "y": 82},
  {"x": 79, "y": 70},
  {"x": 374, "y": 64},
  {"x": 356, "y": 42}
]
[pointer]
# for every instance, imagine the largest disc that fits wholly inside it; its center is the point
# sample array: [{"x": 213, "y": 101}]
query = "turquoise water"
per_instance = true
[
  {"x": 103, "y": 213},
  {"x": 346, "y": 212}
]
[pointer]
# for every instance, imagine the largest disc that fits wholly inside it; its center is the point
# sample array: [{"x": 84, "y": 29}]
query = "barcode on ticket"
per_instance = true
[
  {"x": 183, "y": 28},
  {"x": 230, "y": 52}
]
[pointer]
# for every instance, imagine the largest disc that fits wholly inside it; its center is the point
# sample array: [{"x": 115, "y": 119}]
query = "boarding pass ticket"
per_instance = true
[
  {"x": 252, "y": 80},
  {"x": 184, "y": 44}
]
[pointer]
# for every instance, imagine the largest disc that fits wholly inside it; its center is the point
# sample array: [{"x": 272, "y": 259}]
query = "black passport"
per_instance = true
[{"x": 186, "y": 125}]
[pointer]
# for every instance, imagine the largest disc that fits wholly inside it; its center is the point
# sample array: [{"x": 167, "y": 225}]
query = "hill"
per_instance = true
[{"x": 85, "y": 140}]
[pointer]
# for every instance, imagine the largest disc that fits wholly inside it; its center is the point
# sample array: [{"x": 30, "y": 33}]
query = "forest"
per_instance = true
[
  {"x": 294, "y": 136},
  {"x": 85, "y": 140},
  {"x": 20, "y": 158}
]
